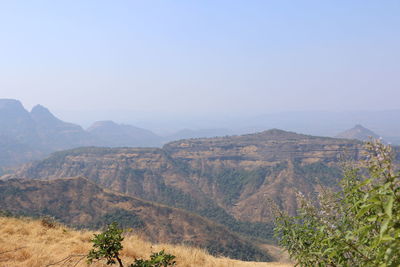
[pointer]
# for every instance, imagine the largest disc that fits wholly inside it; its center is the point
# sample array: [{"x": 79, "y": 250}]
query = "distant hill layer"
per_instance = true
[
  {"x": 26, "y": 136},
  {"x": 79, "y": 202},
  {"x": 112, "y": 134},
  {"x": 358, "y": 132}
]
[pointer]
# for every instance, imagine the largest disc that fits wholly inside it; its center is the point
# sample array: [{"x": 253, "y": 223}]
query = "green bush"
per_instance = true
[
  {"x": 159, "y": 259},
  {"x": 107, "y": 245},
  {"x": 359, "y": 225}
]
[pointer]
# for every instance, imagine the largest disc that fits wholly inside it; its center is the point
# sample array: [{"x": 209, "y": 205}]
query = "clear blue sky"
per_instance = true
[{"x": 201, "y": 56}]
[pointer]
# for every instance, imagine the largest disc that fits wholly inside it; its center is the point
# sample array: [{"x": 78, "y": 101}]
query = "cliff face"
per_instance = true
[
  {"x": 79, "y": 202},
  {"x": 232, "y": 176},
  {"x": 240, "y": 172},
  {"x": 148, "y": 173},
  {"x": 226, "y": 180}
]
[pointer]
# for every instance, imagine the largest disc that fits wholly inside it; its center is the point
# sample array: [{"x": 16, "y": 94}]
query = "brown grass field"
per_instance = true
[{"x": 30, "y": 243}]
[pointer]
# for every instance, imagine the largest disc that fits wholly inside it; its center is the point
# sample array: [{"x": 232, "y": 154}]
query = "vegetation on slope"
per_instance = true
[
  {"x": 223, "y": 179},
  {"x": 142, "y": 173},
  {"x": 357, "y": 226},
  {"x": 81, "y": 203},
  {"x": 26, "y": 242}
]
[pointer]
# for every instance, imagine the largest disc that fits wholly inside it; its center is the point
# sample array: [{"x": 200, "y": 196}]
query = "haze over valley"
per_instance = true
[
  {"x": 225, "y": 133},
  {"x": 222, "y": 181}
]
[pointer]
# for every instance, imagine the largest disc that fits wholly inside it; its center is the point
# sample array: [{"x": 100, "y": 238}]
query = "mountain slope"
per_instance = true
[
  {"x": 358, "y": 132},
  {"x": 148, "y": 173},
  {"x": 121, "y": 135},
  {"x": 56, "y": 134},
  {"x": 78, "y": 202},
  {"x": 239, "y": 172},
  {"x": 226, "y": 179},
  {"x": 15, "y": 152},
  {"x": 26, "y": 136},
  {"x": 43, "y": 245},
  {"x": 32, "y": 135},
  {"x": 16, "y": 122}
]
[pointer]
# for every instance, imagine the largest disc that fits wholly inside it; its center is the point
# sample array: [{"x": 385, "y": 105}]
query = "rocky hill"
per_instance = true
[
  {"x": 81, "y": 203},
  {"x": 32, "y": 135},
  {"x": 25, "y": 136},
  {"x": 358, "y": 132},
  {"x": 225, "y": 179},
  {"x": 240, "y": 172},
  {"x": 38, "y": 129},
  {"x": 55, "y": 134}
]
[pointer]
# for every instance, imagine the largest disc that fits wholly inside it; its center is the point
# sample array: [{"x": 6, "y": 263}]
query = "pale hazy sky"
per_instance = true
[{"x": 183, "y": 56}]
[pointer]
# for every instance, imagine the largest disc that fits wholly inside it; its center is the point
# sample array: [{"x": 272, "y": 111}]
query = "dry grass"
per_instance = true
[{"x": 25, "y": 242}]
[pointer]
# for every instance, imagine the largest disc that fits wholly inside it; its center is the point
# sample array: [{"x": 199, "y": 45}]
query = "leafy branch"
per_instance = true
[{"x": 358, "y": 225}]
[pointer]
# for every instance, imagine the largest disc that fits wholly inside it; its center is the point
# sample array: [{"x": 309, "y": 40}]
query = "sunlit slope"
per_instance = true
[
  {"x": 26, "y": 242},
  {"x": 79, "y": 202}
]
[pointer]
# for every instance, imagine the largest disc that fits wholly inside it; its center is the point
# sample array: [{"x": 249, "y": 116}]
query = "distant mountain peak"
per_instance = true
[
  {"x": 39, "y": 108},
  {"x": 360, "y": 127},
  {"x": 358, "y": 132},
  {"x": 43, "y": 116},
  {"x": 14, "y": 104},
  {"x": 41, "y": 111}
]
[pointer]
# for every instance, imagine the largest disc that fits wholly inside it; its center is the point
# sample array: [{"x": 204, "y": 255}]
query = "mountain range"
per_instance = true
[
  {"x": 192, "y": 190},
  {"x": 27, "y": 136},
  {"x": 30, "y": 135},
  {"x": 227, "y": 180},
  {"x": 231, "y": 175}
]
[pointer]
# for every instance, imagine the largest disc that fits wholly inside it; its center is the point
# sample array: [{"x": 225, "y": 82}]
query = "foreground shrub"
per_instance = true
[
  {"x": 107, "y": 245},
  {"x": 357, "y": 226},
  {"x": 159, "y": 259}
]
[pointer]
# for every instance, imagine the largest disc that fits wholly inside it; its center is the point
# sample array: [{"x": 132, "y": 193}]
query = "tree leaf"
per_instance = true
[
  {"x": 384, "y": 227},
  {"x": 389, "y": 206}
]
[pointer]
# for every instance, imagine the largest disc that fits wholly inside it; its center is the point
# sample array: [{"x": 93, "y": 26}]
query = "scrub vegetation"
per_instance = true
[
  {"x": 359, "y": 225},
  {"x": 37, "y": 243}
]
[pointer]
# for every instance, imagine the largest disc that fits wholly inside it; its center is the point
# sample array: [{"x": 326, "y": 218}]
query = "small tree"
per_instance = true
[
  {"x": 357, "y": 226},
  {"x": 107, "y": 245}
]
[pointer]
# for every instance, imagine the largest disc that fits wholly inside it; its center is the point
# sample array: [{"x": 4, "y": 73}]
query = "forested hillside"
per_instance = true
[{"x": 225, "y": 179}]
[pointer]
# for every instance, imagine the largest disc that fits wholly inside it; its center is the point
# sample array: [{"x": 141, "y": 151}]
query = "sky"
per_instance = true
[{"x": 194, "y": 58}]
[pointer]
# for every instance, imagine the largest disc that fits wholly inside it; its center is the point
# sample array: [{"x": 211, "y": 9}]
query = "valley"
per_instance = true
[{"x": 190, "y": 191}]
